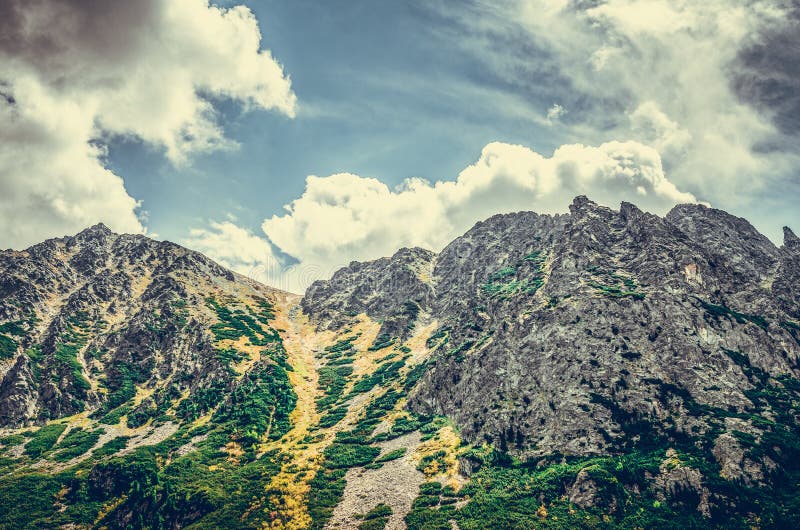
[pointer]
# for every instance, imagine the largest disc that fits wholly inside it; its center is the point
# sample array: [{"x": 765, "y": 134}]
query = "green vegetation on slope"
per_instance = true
[
  {"x": 716, "y": 312},
  {"x": 207, "y": 477},
  {"x": 76, "y": 443},
  {"x": 376, "y": 518},
  {"x": 219, "y": 482},
  {"x": 8, "y": 330},
  {"x": 44, "y": 439},
  {"x": 613, "y": 284},
  {"x": 8, "y": 347},
  {"x": 236, "y": 323},
  {"x": 525, "y": 276},
  {"x": 262, "y": 401}
]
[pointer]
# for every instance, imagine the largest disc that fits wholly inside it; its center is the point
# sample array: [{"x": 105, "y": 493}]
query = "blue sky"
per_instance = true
[
  {"x": 380, "y": 93},
  {"x": 199, "y": 123}
]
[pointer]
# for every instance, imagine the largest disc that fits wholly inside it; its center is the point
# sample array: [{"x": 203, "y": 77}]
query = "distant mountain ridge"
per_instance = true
[{"x": 597, "y": 369}]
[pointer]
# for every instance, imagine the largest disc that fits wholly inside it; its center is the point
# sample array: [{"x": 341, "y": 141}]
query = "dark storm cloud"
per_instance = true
[
  {"x": 51, "y": 33},
  {"x": 766, "y": 74}
]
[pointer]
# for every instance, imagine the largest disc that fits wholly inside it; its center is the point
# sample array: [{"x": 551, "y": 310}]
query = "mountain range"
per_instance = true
[{"x": 596, "y": 369}]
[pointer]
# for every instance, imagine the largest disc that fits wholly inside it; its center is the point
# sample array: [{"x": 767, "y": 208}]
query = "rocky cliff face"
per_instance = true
[
  {"x": 392, "y": 290},
  {"x": 568, "y": 333}
]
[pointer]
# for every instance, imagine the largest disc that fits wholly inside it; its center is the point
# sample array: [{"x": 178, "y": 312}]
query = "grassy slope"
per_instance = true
[{"x": 242, "y": 468}]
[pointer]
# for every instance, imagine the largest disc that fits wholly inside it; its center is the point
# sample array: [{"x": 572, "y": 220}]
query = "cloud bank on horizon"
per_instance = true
[
  {"x": 657, "y": 102},
  {"x": 346, "y": 217}
]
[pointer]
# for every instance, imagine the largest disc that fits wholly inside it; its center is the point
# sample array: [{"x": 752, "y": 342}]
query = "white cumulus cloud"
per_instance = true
[
  {"x": 238, "y": 249},
  {"x": 346, "y": 217},
  {"x": 74, "y": 73},
  {"x": 253, "y": 256},
  {"x": 234, "y": 247}
]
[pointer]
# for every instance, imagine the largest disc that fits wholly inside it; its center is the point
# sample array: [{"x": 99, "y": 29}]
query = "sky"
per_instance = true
[{"x": 286, "y": 139}]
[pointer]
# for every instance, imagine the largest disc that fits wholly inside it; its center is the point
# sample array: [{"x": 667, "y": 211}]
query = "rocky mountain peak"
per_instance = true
[
  {"x": 535, "y": 305},
  {"x": 582, "y": 205},
  {"x": 392, "y": 289},
  {"x": 98, "y": 232},
  {"x": 83, "y": 304},
  {"x": 413, "y": 255},
  {"x": 700, "y": 220},
  {"x": 729, "y": 241},
  {"x": 790, "y": 240},
  {"x": 630, "y": 211},
  {"x": 99, "y": 228}
]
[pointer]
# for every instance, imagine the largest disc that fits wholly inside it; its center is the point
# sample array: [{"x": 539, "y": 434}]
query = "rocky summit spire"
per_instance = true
[
  {"x": 581, "y": 203},
  {"x": 94, "y": 231},
  {"x": 99, "y": 228},
  {"x": 629, "y": 211},
  {"x": 790, "y": 240}
]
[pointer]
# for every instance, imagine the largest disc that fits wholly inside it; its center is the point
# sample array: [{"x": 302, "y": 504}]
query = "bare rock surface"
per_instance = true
[
  {"x": 562, "y": 333},
  {"x": 395, "y": 484}
]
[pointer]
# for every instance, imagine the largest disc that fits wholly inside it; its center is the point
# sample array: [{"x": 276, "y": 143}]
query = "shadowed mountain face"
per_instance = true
[{"x": 597, "y": 369}]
